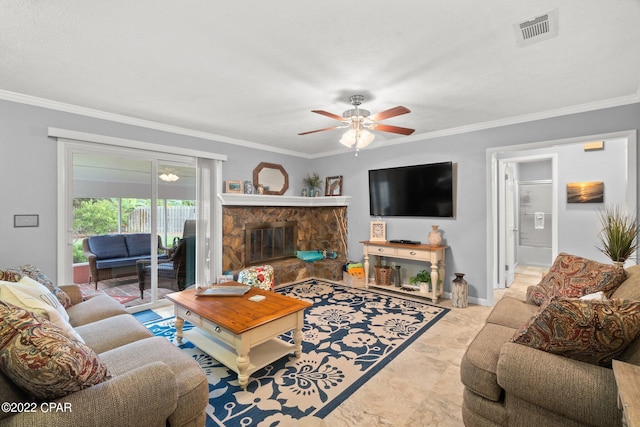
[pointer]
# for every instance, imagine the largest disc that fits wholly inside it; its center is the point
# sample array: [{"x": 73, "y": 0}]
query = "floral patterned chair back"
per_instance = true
[{"x": 260, "y": 276}]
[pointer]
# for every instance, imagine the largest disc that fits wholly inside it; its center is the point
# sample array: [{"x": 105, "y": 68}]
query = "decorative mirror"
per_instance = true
[{"x": 272, "y": 177}]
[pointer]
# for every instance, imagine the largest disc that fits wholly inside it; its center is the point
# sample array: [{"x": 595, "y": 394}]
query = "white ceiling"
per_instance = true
[{"x": 250, "y": 71}]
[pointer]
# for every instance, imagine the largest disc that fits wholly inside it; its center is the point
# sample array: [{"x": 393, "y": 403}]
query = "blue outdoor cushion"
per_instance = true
[
  {"x": 108, "y": 246},
  {"x": 138, "y": 244},
  {"x": 124, "y": 262},
  {"x": 309, "y": 256}
]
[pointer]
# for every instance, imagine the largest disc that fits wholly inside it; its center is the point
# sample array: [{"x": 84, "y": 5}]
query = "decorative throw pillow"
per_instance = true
[
  {"x": 42, "y": 359},
  {"x": 34, "y": 272},
  {"x": 35, "y": 297},
  {"x": 10, "y": 275},
  {"x": 572, "y": 276},
  {"x": 260, "y": 276},
  {"x": 586, "y": 330}
]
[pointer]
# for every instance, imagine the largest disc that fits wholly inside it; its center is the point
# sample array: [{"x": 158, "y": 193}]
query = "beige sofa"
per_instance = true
[
  {"x": 153, "y": 383},
  {"x": 510, "y": 384}
]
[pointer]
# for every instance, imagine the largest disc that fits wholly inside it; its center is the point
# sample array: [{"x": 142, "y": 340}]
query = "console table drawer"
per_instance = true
[
  {"x": 382, "y": 250},
  {"x": 414, "y": 254}
]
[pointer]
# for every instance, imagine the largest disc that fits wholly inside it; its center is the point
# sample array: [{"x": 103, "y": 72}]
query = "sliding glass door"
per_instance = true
[{"x": 133, "y": 222}]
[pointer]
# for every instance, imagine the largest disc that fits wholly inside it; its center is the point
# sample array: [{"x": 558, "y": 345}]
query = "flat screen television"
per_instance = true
[{"x": 419, "y": 190}]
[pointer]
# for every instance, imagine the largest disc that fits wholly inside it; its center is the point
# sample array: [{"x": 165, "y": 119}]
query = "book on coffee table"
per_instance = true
[{"x": 219, "y": 291}]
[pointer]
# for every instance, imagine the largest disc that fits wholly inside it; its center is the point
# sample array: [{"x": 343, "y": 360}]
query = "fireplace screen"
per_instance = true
[{"x": 269, "y": 241}]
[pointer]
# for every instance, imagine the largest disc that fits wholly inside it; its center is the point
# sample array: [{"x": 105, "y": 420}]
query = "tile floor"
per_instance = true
[{"x": 421, "y": 387}]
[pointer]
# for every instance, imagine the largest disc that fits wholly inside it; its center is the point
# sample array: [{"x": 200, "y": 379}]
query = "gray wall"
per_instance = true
[
  {"x": 577, "y": 165},
  {"x": 466, "y": 233},
  {"x": 29, "y": 166}
]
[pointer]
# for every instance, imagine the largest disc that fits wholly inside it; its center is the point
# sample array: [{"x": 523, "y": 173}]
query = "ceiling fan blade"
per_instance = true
[
  {"x": 393, "y": 129},
  {"x": 320, "y": 130},
  {"x": 328, "y": 114},
  {"x": 391, "y": 112}
]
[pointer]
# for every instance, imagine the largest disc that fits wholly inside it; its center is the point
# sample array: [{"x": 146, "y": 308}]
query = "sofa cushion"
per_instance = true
[
  {"x": 36, "y": 298},
  {"x": 193, "y": 388},
  {"x": 96, "y": 307},
  {"x": 138, "y": 244},
  {"x": 108, "y": 246},
  {"x": 112, "y": 332},
  {"x": 590, "y": 331},
  {"x": 572, "y": 276},
  {"x": 124, "y": 262},
  {"x": 42, "y": 359},
  {"x": 512, "y": 312},
  {"x": 478, "y": 411},
  {"x": 479, "y": 364}
]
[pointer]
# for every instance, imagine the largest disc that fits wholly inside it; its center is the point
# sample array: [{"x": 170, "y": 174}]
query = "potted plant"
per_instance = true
[
  {"x": 619, "y": 234},
  {"x": 312, "y": 181},
  {"x": 422, "y": 279}
]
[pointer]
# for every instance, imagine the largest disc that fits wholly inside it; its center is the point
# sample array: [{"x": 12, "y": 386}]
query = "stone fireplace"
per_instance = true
[{"x": 320, "y": 223}]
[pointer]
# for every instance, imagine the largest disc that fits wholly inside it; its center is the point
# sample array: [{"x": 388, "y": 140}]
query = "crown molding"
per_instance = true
[
  {"x": 70, "y": 108},
  {"x": 559, "y": 112},
  {"x": 118, "y": 118}
]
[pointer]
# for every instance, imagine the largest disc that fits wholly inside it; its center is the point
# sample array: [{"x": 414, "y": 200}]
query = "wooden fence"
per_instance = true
[{"x": 140, "y": 219}]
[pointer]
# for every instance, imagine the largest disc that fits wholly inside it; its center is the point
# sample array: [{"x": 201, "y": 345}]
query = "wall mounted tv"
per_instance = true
[{"x": 419, "y": 190}]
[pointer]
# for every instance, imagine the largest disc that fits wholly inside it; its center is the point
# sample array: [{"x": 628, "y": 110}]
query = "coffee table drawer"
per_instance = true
[
  {"x": 189, "y": 316},
  {"x": 206, "y": 325},
  {"x": 219, "y": 332}
]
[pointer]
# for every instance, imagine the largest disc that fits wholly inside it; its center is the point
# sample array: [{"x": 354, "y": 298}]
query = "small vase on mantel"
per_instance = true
[{"x": 434, "y": 236}]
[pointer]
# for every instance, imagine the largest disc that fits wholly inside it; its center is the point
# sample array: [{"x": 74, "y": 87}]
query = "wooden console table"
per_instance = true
[{"x": 428, "y": 253}]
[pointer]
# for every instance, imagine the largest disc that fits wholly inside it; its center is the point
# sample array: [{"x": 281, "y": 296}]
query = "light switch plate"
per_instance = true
[{"x": 26, "y": 220}]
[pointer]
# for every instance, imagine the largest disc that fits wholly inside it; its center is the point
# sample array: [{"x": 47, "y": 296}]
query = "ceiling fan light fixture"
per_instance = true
[
  {"x": 360, "y": 121},
  {"x": 358, "y": 137},
  {"x": 169, "y": 177}
]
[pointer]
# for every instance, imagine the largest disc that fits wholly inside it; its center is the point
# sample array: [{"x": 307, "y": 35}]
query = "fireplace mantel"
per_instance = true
[{"x": 233, "y": 199}]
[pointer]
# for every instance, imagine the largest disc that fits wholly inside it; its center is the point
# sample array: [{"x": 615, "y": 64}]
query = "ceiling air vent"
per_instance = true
[{"x": 542, "y": 27}]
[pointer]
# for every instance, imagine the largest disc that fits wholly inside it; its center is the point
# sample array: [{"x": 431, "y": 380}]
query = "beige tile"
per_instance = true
[{"x": 421, "y": 387}]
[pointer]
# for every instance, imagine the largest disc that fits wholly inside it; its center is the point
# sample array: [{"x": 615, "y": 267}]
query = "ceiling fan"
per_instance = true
[{"x": 360, "y": 121}]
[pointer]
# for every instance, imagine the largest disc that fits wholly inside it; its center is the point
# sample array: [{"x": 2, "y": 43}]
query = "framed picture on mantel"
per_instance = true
[
  {"x": 378, "y": 231},
  {"x": 333, "y": 186}
]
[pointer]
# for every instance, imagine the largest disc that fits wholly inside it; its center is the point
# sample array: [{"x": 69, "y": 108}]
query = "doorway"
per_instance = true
[
  {"x": 574, "y": 227},
  {"x": 527, "y": 230}
]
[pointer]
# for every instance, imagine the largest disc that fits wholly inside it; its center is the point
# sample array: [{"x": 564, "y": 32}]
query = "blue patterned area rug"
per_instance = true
[{"x": 349, "y": 335}]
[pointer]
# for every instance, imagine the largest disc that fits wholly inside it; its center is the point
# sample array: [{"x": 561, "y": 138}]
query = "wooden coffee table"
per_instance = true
[{"x": 241, "y": 334}]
